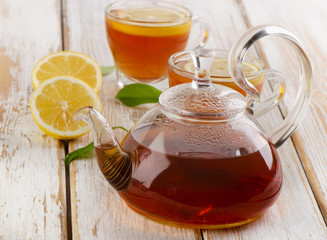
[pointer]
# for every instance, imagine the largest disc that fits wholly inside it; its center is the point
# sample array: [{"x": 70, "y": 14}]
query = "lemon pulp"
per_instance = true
[
  {"x": 150, "y": 21},
  {"x": 151, "y": 14},
  {"x": 67, "y": 63},
  {"x": 219, "y": 68},
  {"x": 54, "y": 103}
]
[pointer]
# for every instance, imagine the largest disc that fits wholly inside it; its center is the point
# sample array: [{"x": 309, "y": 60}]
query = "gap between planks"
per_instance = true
[
  {"x": 68, "y": 196},
  {"x": 64, "y": 47}
]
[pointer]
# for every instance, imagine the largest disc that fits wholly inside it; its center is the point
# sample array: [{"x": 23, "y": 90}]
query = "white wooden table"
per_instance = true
[{"x": 40, "y": 199}]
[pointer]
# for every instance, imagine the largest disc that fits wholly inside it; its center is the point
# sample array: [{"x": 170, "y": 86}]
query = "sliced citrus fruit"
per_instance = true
[
  {"x": 67, "y": 63},
  {"x": 54, "y": 103},
  {"x": 219, "y": 68},
  {"x": 149, "y": 21},
  {"x": 149, "y": 14}
]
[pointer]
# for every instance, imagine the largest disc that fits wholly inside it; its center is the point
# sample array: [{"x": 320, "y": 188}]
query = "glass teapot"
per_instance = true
[{"x": 199, "y": 158}]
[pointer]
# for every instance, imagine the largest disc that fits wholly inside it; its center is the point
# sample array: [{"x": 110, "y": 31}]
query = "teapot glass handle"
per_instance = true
[
  {"x": 277, "y": 82},
  {"x": 236, "y": 57}
]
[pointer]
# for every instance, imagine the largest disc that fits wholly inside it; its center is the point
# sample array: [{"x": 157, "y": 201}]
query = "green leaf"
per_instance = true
[
  {"x": 107, "y": 70},
  {"x": 78, "y": 153},
  {"x": 135, "y": 94}
]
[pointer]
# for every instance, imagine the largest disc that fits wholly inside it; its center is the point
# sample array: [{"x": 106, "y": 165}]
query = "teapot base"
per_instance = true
[{"x": 194, "y": 226}]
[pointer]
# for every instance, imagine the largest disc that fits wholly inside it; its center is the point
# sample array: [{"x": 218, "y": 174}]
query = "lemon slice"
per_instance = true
[
  {"x": 54, "y": 103},
  {"x": 219, "y": 68},
  {"x": 67, "y": 63},
  {"x": 151, "y": 14},
  {"x": 149, "y": 22}
]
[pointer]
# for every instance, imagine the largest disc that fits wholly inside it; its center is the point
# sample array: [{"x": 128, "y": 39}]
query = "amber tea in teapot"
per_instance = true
[
  {"x": 185, "y": 183},
  {"x": 199, "y": 158}
]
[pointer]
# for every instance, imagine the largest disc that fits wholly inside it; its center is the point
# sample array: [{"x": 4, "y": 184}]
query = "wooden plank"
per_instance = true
[
  {"x": 97, "y": 210},
  {"x": 285, "y": 219},
  {"x": 306, "y": 20},
  {"x": 32, "y": 174}
]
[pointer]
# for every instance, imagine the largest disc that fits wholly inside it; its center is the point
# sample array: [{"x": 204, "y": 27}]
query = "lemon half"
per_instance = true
[
  {"x": 67, "y": 63},
  {"x": 54, "y": 103}
]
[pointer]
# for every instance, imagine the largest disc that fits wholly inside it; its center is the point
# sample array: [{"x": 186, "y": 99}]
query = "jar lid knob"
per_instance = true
[{"x": 202, "y": 60}]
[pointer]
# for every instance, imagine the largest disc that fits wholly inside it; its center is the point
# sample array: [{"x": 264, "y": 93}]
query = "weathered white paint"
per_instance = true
[
  {"x": 32, "y": 179},
  {"x": 32, "y": 175}
]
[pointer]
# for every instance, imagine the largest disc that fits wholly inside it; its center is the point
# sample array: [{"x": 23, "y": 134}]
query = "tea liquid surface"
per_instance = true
[
  {"x": 199, "y": 189},
  {"x": 219, "y": 74},
  {"x": 141, "y": 48}
]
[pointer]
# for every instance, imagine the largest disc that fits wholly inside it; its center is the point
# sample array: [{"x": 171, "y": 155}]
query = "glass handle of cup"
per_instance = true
[
  {"x": 302, "y": 99},
  {"x": 203, "y": 35},
  {"x": 278, "y": 84}
]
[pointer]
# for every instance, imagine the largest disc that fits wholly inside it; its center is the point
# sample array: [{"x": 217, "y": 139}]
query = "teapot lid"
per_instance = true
[{"x": 201, "y": 99}]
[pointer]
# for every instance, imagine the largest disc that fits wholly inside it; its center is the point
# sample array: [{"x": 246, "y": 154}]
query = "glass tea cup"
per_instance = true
[
  {"x": 142, "y": 35},
  {"x": 181, "y": 70}
]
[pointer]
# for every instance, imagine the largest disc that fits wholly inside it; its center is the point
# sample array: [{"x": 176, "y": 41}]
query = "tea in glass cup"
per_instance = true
[
  {"x": 181, "y": 70},
  {"x": 142, "y": 35}
]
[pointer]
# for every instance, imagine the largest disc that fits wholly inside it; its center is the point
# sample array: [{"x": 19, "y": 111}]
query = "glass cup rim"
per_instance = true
[
  {"x": 171, "y": 63},
  {"x": 185, "y": 9}
]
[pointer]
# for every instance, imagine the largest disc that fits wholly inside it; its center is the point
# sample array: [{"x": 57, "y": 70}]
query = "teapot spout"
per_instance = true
[
  {"x": 100, "y": 128},
  {"x": 114, "y": 163}
]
